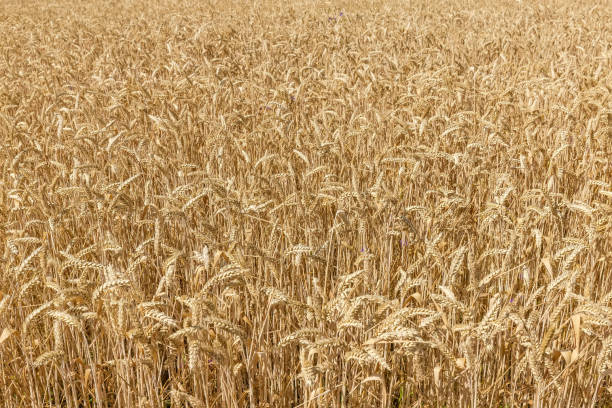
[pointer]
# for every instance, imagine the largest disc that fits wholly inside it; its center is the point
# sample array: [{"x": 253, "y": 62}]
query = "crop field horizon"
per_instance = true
[{"x": 306, "y": 204}]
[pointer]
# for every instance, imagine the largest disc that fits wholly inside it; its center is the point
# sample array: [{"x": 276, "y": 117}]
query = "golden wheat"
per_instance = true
[{"x": 314, "y": 203}]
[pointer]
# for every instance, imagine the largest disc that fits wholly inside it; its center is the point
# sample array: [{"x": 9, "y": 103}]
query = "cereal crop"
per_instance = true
[{"x": 306, "y": 203}]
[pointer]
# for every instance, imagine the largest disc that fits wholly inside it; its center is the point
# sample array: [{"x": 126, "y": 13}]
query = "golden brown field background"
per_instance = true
[{"x": 313, "y": 204}]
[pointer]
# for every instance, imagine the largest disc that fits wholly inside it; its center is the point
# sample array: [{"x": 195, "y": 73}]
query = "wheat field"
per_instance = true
[{"x": 306, "y": 203}]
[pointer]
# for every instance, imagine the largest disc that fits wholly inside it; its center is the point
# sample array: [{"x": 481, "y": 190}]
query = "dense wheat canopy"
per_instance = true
[{"x": 306, "y": 204}]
